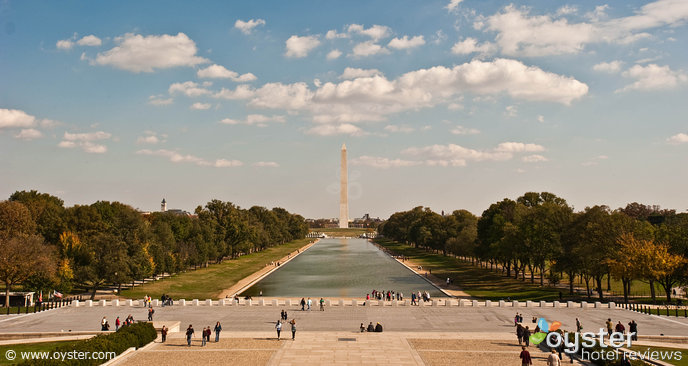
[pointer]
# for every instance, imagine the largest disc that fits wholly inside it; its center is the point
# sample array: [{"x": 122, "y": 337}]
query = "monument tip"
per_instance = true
[{"x": 343, "y": 146}]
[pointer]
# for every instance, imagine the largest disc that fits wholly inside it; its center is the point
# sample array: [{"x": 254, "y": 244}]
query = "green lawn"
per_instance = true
[
  {"x": 477, "y": 282},
  {"x": 30, "y": 347},
  {"x": 683, "y": 361},
  {"x": 208, "y": 283}
]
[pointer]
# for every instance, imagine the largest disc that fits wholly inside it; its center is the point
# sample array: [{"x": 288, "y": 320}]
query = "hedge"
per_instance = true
[{"x": 136, "y": 335}]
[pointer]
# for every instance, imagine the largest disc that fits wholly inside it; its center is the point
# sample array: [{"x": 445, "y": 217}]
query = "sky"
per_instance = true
[{"x": 447, "y": 104}]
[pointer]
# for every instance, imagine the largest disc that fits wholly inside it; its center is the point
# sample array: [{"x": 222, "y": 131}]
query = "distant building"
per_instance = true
[{"x": 163, "y": 206}]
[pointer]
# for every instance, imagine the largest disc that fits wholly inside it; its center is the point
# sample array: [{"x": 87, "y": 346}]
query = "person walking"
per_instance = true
[
  {"x": 278, "y": 327},
  {"x": 150, "y": 314},
  {"x": 519, "y": 333},
  {"x": 293, "y": 329},
  {"x": 620, "y": 328},
  {"x": 526, "y": 336},
  {"x": 525, "y": 357},
  {"x": 163, "y": 333},
  {"x": 610, "y": 326},
  {"x": 203, "y": 337},
  {"x": 303, "y": 304},
  {"x": 117, "y": 324},
  {"x": 579, "y": 326},
  {"x": 322, "y": 304},
  {"x": 633, "y": 329},
  {"x": 189, "y": 334},
  {"x": 282, "y": 315},
  {"x": 553, "y": 359},
  {"x": 218, "y": 329},
  {"x": 310, "y": 302}
]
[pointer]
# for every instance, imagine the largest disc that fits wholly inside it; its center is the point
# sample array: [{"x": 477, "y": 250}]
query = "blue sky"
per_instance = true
[{"x": 447, "y": 104}]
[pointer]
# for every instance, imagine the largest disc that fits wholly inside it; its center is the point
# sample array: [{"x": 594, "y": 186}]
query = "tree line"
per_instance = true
[
  {"x": 45, "y": 245},
  {"x": 541, "y": 233}
]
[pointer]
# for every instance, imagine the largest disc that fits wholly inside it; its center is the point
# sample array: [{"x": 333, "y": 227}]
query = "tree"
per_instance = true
[
  {"x": 47, "y": 212},
  {"x": 21, "y": 257},
  {"x": 15, "y": 220}
]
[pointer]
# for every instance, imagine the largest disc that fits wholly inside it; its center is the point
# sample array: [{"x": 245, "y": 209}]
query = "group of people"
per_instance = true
[
  {"x": 105, "y": 325},
  {"x": 619, "y": 328},
  {"x": 306, "y": 304},
  {"x": 283, "y": 318},
  {"x": 415, "y": 298},
  {"x": 385, "y": 295},
  {"x": 371, "y": 328},
  {"x": 205, "y": 335},
  {"x": 166, "y": 300}
]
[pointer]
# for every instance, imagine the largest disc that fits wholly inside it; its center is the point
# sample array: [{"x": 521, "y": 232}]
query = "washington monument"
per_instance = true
[{"x": 344, "y": 192}]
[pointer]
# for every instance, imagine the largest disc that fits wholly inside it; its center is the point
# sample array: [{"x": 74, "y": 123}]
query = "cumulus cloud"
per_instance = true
[
  {"x": 470, "y": 45},
  {"x": 402, "y": 129},
  {"x": 64, "y": 44},
  {"x": 453, "y": 5},
  {"x": 240, "y": 92},
  {"x": 190, "y": 88},
  {"x": 151, "y": 139},
  {"x": 382, "y": 163},
  {"x": 334, "y": 54},
  {"x": 255, "y": 119},
  {"x": 523, "y": 34},
  {"x": 266, "y": 164},
  {"x": 247, "y": 27},
  {"x": 299, "y": 47},
  {"x": 198, "y": 106},
  {"x": 333, "y": 34},
  {"x": 220, "y": 72},
  {"x": 367, "y": 48},
  {"x": 85, "y": 141},
  {"x": 332, "y": 130},
  {"x": 461, "y": 130},
  {"x": 159, "y": 100},
  {"x": 138, "y": 53},
  {"x": 15, "y": 118},
  {"x": 176, "y": 157},
  {"x": 680, "y": 138},
  {"x": 534, "y": 159},
  {"x": 610, "y": 67},
  {"x": 28, "y": 134},
  {"x": 353, "y": 73},
  {"x": 511, "y": 111},
  {"x": 375, "y": 32},
  {"x": 456, "y": 155},
  {"x": 405, "y": 43},
  {"x": 653, "y": 77},
  {"x": 89, "y": 40}
]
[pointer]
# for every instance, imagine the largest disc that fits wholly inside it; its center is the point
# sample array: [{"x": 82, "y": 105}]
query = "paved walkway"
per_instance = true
[{"x": 263, "y": 272}]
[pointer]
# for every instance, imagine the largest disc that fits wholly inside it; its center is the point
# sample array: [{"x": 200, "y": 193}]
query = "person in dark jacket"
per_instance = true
[
  {"x": 189, "y": 334},
  {"x": 371, "y": 327},
  {"x": 378, "y": 328}
]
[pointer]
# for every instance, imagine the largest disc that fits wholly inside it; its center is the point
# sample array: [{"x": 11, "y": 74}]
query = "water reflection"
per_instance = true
[{"x": 340, "y": 268}]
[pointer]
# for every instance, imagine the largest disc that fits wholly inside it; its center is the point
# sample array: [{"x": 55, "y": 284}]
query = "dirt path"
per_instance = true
[{"x": 254, "y": 277}]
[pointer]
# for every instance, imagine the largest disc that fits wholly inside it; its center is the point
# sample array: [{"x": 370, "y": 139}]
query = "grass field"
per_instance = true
[
  {"x": 208, "y": 283},
  {"x": 677, "y": 353},
  {"x": 477, "y": 282},
  {"x": 29, "y": 347}
]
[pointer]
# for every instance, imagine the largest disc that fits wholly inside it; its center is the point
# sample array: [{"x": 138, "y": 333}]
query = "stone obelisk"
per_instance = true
[{"x": 344, "y": 192}]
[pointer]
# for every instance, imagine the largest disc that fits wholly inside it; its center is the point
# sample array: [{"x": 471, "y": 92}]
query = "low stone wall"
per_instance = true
[{"x": 276, "y": 302}]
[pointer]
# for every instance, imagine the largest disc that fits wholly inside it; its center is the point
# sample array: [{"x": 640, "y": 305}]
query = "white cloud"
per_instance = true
[
  {"x": 516, "y": 147},
  {"x": 402, "y": 129},
  {"x": 198, "y": 106},
  {"x": 220, "y": 72},
  {"x": 382, "y": 163},
  {"x": 453, "y": 5},
  {"x": 64, "y": 44},
  {"x": 240, "y": 92},
  {"x": 511, "y": 111},
  {"x": 28, "y": 134},
  {"x": 567, "y": 9},
  {"x": 85, "y": 141},
  {"x": 679, "y": 138},
  {"x": 176, "y": 157},
  {"x": 89, "y": 40},
  {"x": 653, "y": 77},
  {"x": 332, "y": 130},
  {"x": 376, "y": 32},
  {"x": 334, "y": 54},
  {"x": 405, "y": 43},
  {"x": 367, "y": 48},
  {"x": 159, "y": 100},
  {"x": 523, "y": 34},
  {"x": 137, "y": 53},
  {"x": 541, "y": 119},
  {"x": 470, "y": 45},
  {"x": 266, "y": 164},
  {"x": 298, "y": 47},
  {"x": 610, "y": 67},
  {"x": 15, "y": 118},
  {"x": 149, "y": 139},
  {"x": 333, "y": 34},
  {"x": 534, "y": 159},
  {"x": 460, "y": 130},
  {"x": 247, "y": 27},
  {"x": 189, "y": 88},
  {"x": 254, "y": 119},
  {"x": 373, "y": 98},
  {"x": 353, "y": 73},
  {"x": 455, "y": 155}
]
